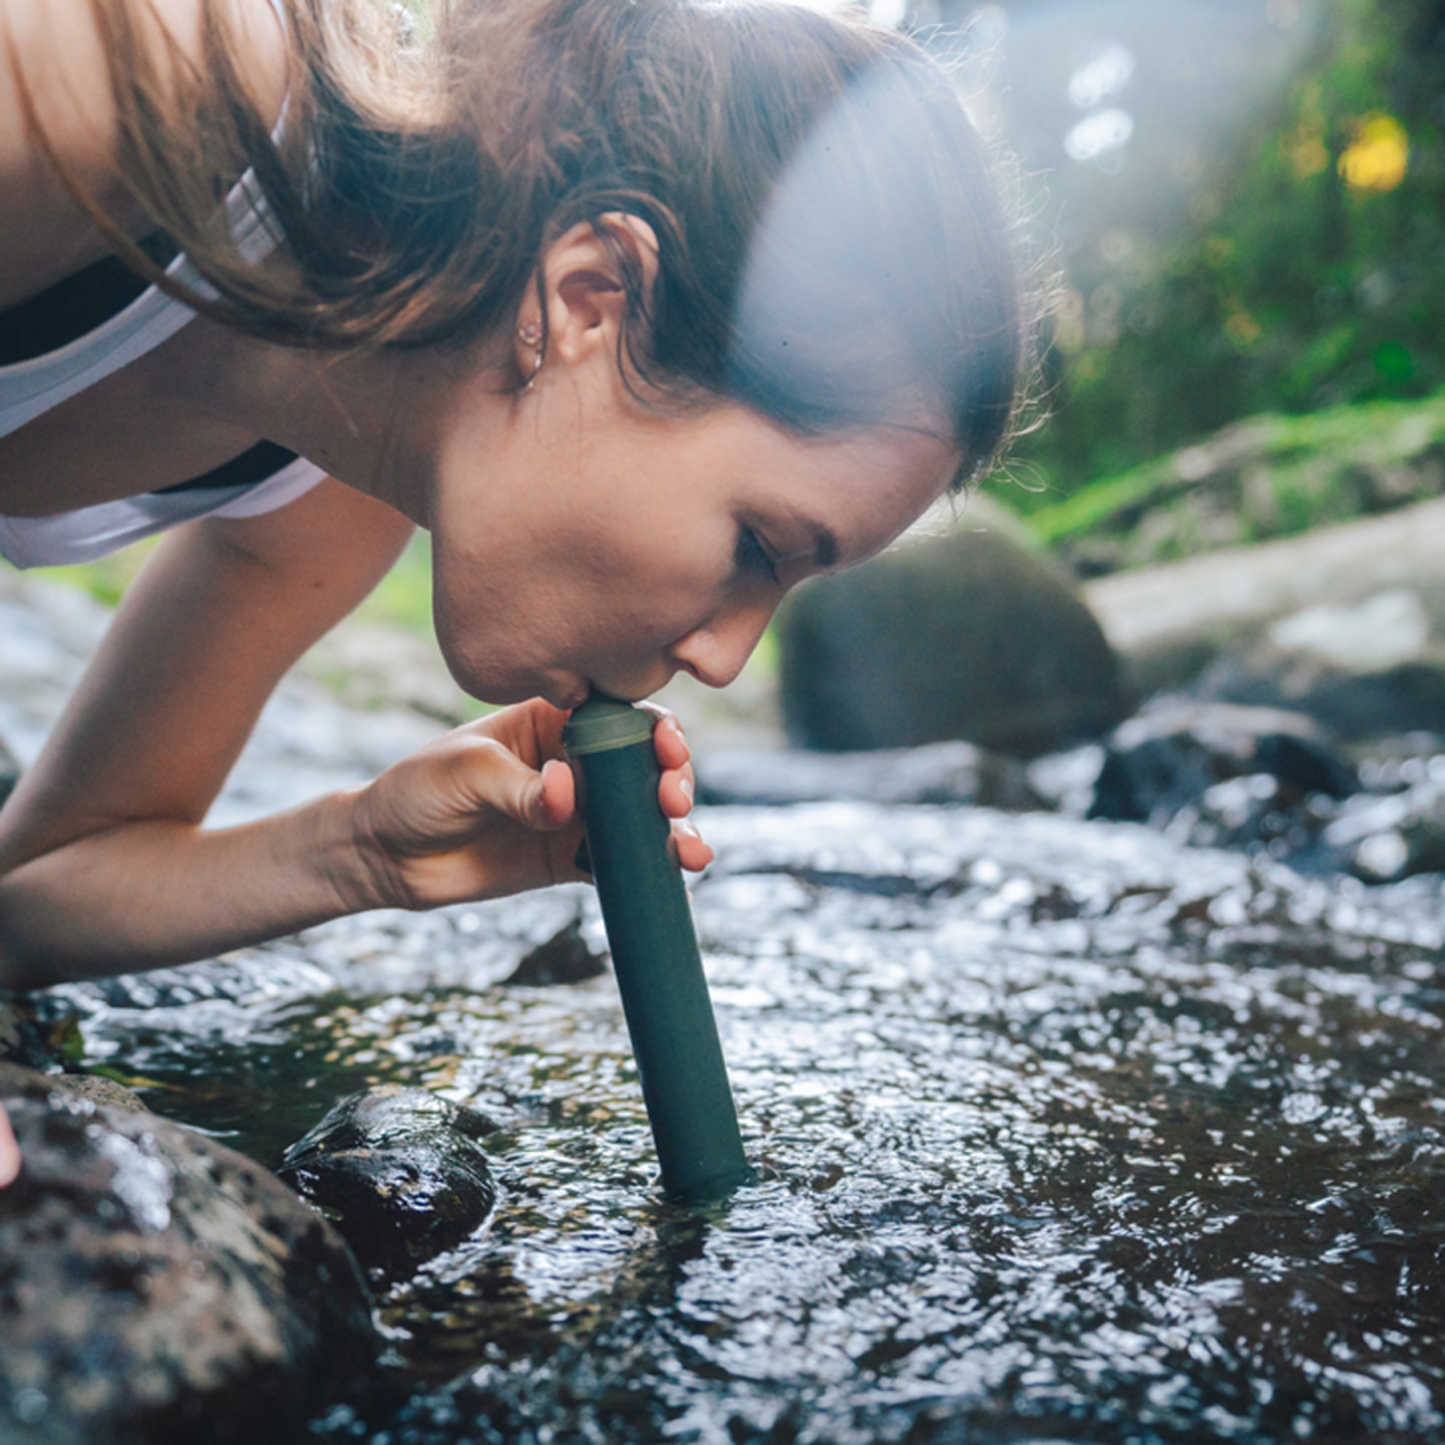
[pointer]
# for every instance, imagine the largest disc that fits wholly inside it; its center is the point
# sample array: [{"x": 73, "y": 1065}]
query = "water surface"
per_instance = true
[{"x": 1064, "y": 1133}]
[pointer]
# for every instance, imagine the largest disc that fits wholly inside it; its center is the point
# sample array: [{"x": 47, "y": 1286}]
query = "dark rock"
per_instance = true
[
  {"x": 951, "y": 772},
  {"x": 400, "y": 1172},
  {"x": 970, "y": 636},
  {"x": 563, "y": 958},
  {"x": 158, "y": 1287},
  {"x": 1172, "y": 754}
]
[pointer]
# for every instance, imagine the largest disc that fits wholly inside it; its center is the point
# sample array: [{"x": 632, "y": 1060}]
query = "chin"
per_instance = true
[{"x": 479, "y": 677}]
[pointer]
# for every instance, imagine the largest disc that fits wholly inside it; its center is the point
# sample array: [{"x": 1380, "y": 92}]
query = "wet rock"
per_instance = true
[
  {"x": 1175, "y": 752},
  {"x": 949, "y": 772},
  {"x": 563, "y": 958},
  {"x": 93, "y": 1087},
  {"x": 157, "y": 1286},
  {"x": 971, "y": 636},
  {"x": 400, "y": 1172}
]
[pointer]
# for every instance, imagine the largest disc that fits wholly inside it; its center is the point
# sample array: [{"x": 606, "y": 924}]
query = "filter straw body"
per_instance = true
[{"x": 655, "y": 953}]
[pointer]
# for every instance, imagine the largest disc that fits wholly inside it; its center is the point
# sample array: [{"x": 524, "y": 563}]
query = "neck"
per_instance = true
[{"x": 375, "y": 420}]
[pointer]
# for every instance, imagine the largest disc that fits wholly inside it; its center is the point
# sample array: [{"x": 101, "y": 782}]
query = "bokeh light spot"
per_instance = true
[{"x": 1377, "y": 158}]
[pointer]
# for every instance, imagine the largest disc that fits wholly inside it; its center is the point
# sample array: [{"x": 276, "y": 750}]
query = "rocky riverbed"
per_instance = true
[{"x": 1066, "y": 1129}]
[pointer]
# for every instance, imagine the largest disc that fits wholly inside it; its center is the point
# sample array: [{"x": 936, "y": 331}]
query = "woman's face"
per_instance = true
[{"x": 600, "y": 544}]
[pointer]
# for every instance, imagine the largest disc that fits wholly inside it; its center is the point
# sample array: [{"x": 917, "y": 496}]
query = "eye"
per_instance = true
[{"x": 752, "y": 559}]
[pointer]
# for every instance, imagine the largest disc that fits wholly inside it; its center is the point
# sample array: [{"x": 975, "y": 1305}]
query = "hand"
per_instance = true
[
  {"x": 9, "y": 1151},
  {"x": 491, "y": 809}
]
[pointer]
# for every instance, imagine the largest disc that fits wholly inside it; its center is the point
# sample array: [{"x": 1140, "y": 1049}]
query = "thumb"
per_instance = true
[{"x": 499, "y": 779}]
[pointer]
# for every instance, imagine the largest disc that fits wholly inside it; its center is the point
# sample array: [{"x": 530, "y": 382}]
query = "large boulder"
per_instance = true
[
  {"x": 1346, "y": 624},
  {"x": 1368, "y": 670},
  {"x": 971, "y": 635},
  {"x": 158, "y": 1287}
]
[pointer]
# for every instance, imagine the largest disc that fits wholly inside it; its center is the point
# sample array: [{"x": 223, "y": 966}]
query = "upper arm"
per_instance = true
[
  {"x": 58, "y": 49},
  {"x": 217, "y": 615}
]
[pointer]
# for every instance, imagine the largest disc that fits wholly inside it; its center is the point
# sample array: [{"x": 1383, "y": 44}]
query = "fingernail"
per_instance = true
[{"x": 686, "y": 784}]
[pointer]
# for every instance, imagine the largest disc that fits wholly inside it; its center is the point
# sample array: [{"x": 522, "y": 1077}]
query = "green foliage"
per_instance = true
[
  {"x": 1270, "y": 476},
  {"x": 1310, "y": 274},
  {"x": 403, "y": 597}
]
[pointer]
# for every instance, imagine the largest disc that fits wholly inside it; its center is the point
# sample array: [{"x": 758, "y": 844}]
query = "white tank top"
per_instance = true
[{"x": 30, "y": 388}]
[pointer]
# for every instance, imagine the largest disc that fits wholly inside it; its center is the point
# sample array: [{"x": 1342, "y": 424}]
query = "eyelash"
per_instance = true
[{"x": 751, "y": 557}]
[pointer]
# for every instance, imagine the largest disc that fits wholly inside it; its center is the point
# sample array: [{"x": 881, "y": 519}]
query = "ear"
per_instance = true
[{"x": 583, "y": 284}]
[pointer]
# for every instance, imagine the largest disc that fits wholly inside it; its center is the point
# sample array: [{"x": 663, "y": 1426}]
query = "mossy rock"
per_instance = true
[{"x": 1266, "y": 477}]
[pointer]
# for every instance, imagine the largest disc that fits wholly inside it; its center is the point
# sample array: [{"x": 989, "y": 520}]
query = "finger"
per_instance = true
[
  {"x": 532, "y": 729},
  {"x": 497, "y": 778},
  {"x": 669, "y": 741},
  {"x": 9, "y": 1152},
  {"x": 558, "y": 794},
  {"x": 689, "y": 848},
  {"x": 675, "y": 791}
]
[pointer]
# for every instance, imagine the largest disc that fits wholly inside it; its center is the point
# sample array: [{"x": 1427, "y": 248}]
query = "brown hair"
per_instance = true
[{"x": 833, "y": 251}]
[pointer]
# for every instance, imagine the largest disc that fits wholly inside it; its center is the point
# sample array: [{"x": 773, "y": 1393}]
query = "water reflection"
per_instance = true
[{"x": 1063, "y": 1132}]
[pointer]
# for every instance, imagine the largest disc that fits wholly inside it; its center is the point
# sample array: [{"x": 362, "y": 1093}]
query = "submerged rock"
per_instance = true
[
  {"x": 400, "y": 1171},
  {"x": 157, "y": 1286},
  {"x": 563, "y": 958},
  {"x": 25, "y": 1038}
]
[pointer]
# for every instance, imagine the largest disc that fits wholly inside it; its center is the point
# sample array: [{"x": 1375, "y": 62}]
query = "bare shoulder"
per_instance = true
[{"x": 56, "y": 53}]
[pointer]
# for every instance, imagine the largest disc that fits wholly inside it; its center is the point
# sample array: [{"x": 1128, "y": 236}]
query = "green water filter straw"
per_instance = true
[{"x": 655, "y": 953}]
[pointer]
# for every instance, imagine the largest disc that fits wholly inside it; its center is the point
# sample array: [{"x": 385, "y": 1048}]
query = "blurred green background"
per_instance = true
[{"x": 1246, "y": 202}]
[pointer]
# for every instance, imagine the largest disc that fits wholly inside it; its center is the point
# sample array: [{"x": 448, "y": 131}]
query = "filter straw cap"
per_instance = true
[{"x": 602, "y": 723}]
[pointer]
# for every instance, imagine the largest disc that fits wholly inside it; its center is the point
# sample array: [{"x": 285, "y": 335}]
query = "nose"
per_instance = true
[{"x": 715, "y": 651}]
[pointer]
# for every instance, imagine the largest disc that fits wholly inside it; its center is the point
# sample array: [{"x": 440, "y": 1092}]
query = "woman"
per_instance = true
[{"x": 645, "y": 309}]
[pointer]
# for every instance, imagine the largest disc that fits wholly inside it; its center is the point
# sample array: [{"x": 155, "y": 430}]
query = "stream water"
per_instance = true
[{"x": 1064, "y": 1133}]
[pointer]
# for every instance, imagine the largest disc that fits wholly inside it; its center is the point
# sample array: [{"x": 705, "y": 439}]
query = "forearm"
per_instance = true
[{"x": 152, "y": 892}]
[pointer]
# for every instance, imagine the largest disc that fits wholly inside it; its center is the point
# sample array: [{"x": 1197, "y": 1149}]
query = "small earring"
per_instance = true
[{"x": 529, "y": 333}]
